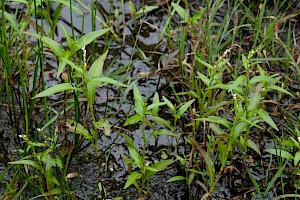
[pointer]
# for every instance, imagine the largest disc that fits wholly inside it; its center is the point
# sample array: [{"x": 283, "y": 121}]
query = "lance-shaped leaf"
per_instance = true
[
  {"x": 159, "y": 166},
  {"x": 279, "y": 89},
  {"x": 146, "y": 9},
  {"x": 184, "y": 14},
  {"x": 87, "y": 39},
  {"x": 79, "y": 70},
  {"x": 96, "y": 68},
  {"x": 253, "y": 146},
  {"x": 237, "y": 82},
  {"x": 266, "y": 117},
  {"x": 132, "y": 178},
  {"x": 218, "y": 120},
  {"x": 184, "y": 107},
  {"x": 281, "y": 153},
  {"x": 101, "y": 80},
  {"x": 103, "y": 125},
  {"x": 53, "y": 45},
  {"x": 223, "y": 152},
  {"x": 133, "y": 119},
  {"x": 27, "y": 162},
  {"x": 162, "y": 132},
  {"x": 68, "y": 37},
  {"x": 79, "y": 129},
  {"x": 133, "y": 151},
  {"x": 176, "y": 178},
  {"x": 263, "y": 79},
  {"x": 138, "y": 101},
  {"x": 57, "y": 88},
  {"x": 94, "y": 83}
]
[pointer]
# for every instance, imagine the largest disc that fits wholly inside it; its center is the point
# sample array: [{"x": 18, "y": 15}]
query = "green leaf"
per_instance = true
[
  {"x": 155, "y": 106},
  {"x": 133, "y": 151},
  {"x": 218, "y": 120},
  {"x": 182, "y": 160},
  {"x": 205, "y": 64},
  {"x": 58, "y": 162},
  {"x": 138, "y": 101},
  {"x": 53, "y": 45},
  {"x": 197, "y": 16},
  {"x": 27, "y": 162},
  {"x": 51, "y": 178},
  {"x": 146, "y": 10},
  {"x": 79, "y": 70},
  {"x": 176, "y": 178},
  {"x": 255, "y": 98},
  {"x": 62, "y": 63},
  {"x": 245, "y": 62},
  {"x": 101, "y": 80},
  {"x": 238, "y": 129},
  {"x": 182, "y": 12},
  {"x": 127, "y": 160},
  {"x": 297, "y": 158},
  {"x": 184, "y": 107},
  {"x": 253, "y": 146},
  {"x": 103, "y": 125},
  {"x": 57, "y": 88},
  {"x": 263, "y": 79},
  {"x": 162, "y": 132},
  {"x": 191, "y": 178},
  {"x": 203, "y": 78},
  {"x": 161, "y": 121},
  {"x": 216, "y": 128},
  {"x": 223, "y": 152},
  {"x": 281, "y": 153},
  {"x": 159, "y": 166},
  {"x": 169, "y": 104},
  {"x": 133, "y": 119},
  {"x": 296, "y": 143},
  {"x": 272, "y": 182},
  {"x": 155, "y": 102},
  {"x": 79, "y": 129},
  {"x": 266, "y": 117},
  {"x": 87, "y": 39},
  {"x": 279, "y": 89},
  {"x": 96, "y": 68},
  {"x": 255, "y": 184},
  {"x": 55, "y": 191},
  {"x": 91, "y": 91},
  {"x": 69, "y": 39},
  {"x": 12, "y": 21},
  {"x": 237, "y": 82},
  {"x": 150, "y": 168},
  {"x": 48, "y": 160},
  {"x": 132, "y": 178}
]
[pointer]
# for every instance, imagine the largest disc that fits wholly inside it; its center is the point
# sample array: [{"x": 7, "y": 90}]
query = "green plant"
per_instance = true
[
  {"x": 144, "y": 112},
  {"x": 45, "y": 159},
  {"x": 88, "y": 80},
  {"x": 247, "y": 93}
]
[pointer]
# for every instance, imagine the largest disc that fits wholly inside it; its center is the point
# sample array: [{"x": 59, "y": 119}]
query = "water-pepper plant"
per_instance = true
[
  {"x": 247, "y": 93},
  {"x": 89, "y": 79},
  {"x": 146, "y": 169}
]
